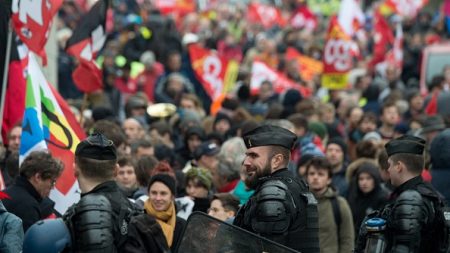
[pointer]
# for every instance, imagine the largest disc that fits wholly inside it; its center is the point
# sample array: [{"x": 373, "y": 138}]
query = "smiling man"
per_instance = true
[{"x": 282, "y": 209}]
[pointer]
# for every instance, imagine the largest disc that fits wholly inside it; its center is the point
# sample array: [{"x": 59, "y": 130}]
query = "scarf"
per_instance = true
[{"x": 166, "y": 219}]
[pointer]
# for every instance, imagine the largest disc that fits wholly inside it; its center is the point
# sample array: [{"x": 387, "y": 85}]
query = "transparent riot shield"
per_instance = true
[{"x": 205, "y": 234}]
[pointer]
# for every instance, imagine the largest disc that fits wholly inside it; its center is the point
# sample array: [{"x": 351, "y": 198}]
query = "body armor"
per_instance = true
[
  {"x": 283, "y": 210},
  {"x": 90, "y": 222}
]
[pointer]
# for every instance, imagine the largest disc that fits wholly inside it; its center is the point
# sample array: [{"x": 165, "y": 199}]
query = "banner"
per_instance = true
[
  {"x": 337, "y": 57},
  {"x": 307, "y": 66},
  {"x": 87, "y": 40},
  {"x": 266, "y": 15},
  {"x": 324, "y": 7},
  {"x": 261, "y": 72},
  {"x": 32, "y": 20},
  {"x": 180, "y": 7},
  {"x": 216, "y": 74},
  {"x": 49, "y": 124}
]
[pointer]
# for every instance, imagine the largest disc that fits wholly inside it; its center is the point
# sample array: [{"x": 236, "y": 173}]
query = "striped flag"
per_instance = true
[
  {"x": 49, "y": 124},
  {"x": 87, "y": 40}
]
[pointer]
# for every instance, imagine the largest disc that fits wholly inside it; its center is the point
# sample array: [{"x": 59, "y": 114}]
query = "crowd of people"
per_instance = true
[{"x": 155, "y": 154}]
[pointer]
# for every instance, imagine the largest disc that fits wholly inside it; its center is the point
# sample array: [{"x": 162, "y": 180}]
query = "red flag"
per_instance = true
[
  {"x": 431, "y": 108},
  {"x": 261, "y": 72},
  {"x": 266, "y": 15},
  {"x": 86, "y": 41},
  {"x": 32, "y": 21},
  {"x": 216, "y": 74},
  {"x": 383, "y": 38},
  {"x": 395, "y": 55},
  {"x": 14, "y": 104},
  {"x": 304, "y": 18},
  {"x": 87, "y": 83}
]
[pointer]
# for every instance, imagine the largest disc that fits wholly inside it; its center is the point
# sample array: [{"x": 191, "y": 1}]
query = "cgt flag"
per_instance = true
[
  {"x": 49, "y": 124},
  {"x": 86, "y": 41},
  {"x": 32, "y": 20},
  {"x": 337, "y": 57},
  {"x": 216, "y": 74}
]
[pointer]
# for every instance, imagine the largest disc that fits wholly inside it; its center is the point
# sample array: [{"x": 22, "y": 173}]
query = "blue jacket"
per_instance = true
[{"x": 11, "y": 232}]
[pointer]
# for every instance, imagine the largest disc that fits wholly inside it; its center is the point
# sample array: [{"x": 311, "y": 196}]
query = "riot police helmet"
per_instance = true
[{"x": 50, "y": 236}]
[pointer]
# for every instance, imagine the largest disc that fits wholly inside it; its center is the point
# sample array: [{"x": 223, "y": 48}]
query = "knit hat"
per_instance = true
[
  {"x": 340, "y": 142},
  {"x": 166, "y": 179},
  {"x": 203, "y": 175},
  {"x": 222, "y": 116},
  {"x": 318, "y": 128},
  {"x": 374, "y": 135}
]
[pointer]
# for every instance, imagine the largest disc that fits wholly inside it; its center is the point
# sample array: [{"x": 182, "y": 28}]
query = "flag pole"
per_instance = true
[
  {"x": 83, "y": 107},
  {"x": 5, "y": 75}
]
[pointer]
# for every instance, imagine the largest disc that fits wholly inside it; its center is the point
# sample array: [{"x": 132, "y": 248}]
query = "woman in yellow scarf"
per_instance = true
[{"x": 160, "y": 204}]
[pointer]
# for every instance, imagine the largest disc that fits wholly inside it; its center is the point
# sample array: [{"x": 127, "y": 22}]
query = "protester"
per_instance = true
[
  {"x": 224, "y": 206},
  {"x": 160, "y": 204},
  {"x": 38, "y": 175},
  {"x": 336, "y": 231}
]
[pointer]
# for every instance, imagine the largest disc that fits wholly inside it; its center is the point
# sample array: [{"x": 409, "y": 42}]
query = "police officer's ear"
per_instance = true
[
  {"x": 277, "y": 161},
  {"x": 116, "y": 169},
  {"x": 76, "y": 170}
]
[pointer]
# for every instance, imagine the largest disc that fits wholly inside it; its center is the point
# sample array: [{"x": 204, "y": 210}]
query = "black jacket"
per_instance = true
[
  {"x": 24, "y": 203},
  {"x": 411, "y": 217}
]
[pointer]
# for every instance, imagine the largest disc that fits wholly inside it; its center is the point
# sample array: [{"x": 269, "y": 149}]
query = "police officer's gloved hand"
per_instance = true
[{"x": 362, "y": 234}]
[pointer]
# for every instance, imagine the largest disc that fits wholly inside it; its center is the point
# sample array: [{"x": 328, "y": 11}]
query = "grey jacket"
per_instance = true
[{"x": 11, "y": 232}]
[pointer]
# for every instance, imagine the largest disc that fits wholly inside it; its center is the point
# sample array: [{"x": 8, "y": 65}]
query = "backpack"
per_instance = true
[
  {"x": 336, "y": 215},
  {"x": 441, "y": 223}
]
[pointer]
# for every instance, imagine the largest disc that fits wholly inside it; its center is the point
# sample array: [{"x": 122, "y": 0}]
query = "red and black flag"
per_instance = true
[
  {"x": 87, "y": 40},
  {"x": 14, "y": 100},
  {"x": 32, "y": 21}
]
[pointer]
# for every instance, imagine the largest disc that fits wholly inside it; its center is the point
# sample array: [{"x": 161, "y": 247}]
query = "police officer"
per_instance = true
[
  {"x": 414, "y": 218},
  {"x": 99, "y": 221},
  {"x": 281, "y": 209}
]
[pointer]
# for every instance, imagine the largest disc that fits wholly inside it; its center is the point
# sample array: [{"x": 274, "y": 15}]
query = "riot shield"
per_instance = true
[{"x": 205, "y": 234}]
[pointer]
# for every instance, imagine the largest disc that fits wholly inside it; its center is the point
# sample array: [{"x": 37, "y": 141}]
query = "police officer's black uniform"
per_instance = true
[
  {"x": 282, "y": 209},
  {"x": 414, "y": 217},
  {"x": 99, "y": 221}
]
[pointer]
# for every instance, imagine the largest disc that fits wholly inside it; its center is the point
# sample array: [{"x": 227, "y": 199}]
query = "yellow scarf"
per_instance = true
[{"x": 166, "y": 219}]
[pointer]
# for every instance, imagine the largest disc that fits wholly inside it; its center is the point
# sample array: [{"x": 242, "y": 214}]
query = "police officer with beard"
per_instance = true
[
  {"x": 414, "y": 217},
  {"x": 281, "y": 209}
]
